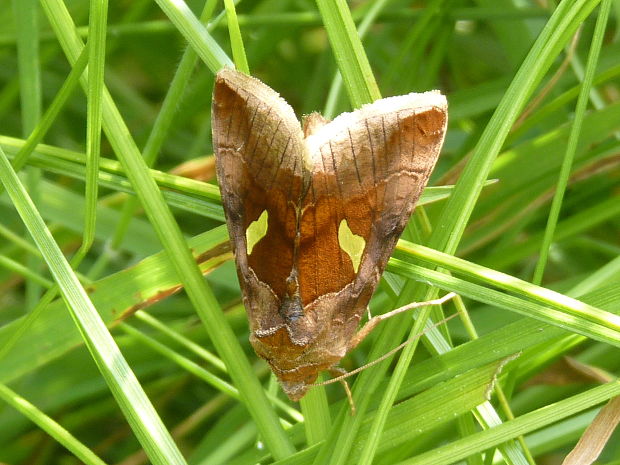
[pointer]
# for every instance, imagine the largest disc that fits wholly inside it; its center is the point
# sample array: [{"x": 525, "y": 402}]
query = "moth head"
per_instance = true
[
  {"x": 295, "y": 390},
  {"x": 295, "y": 387},
  {"x": 312, "y": 123},
  {"x": 297, "y": 381}
]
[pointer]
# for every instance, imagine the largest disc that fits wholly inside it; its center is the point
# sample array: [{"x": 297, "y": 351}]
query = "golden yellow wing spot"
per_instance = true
[
  {"x": 256, "y": 231},
  {"x": 351, "y": 243}
]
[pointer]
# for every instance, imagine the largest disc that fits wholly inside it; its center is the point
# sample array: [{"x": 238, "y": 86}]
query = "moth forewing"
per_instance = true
[{"x": 315, "y": 213}]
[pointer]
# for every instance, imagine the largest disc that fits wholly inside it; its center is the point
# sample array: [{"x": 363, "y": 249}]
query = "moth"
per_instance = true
[{"x": 314, "y": 213}]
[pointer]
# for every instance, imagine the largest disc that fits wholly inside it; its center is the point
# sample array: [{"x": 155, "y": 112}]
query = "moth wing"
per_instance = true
[
  {"x": 369, "y": 169},
  {"x": 258, "y": 145}
]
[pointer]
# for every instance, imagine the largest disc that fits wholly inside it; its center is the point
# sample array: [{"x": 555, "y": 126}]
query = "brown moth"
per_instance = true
[{"x": 315, "y": 212}]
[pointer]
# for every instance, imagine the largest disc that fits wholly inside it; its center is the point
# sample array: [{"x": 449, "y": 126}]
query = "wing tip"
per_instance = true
[
  {"x": 413, "y": 100},
  {"x": 234, "y": 80},
  {"x": 421, "y": 105},
  {"x": 230, "y": 76}
]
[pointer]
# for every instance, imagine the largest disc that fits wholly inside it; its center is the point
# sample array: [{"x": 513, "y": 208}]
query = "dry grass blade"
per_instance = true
[{"x": 595, "y": 437}]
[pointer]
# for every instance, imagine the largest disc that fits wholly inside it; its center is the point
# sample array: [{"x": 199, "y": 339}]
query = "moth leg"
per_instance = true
[
  {"x": 375, "y": 320},
  {"x": 368, "y": 312},
  {"x": 336, "y": 372}
]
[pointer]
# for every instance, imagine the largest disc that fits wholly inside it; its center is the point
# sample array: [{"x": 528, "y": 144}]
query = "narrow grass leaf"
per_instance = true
[
  {"x": 132, "y": 400},
  {"x": 201, "y": 296},
  {"x": 524, "y": 424},
  {"x": 596, "y": 436},
  {"x": 571, "y": 146},
  {"x": 47, "y": 424},
  {"x": 236, "y": 41},
  {"x": 195, "y": 33},
  {"x": 96, "y": 63},
  {"x": 349, "y": 52},
  {"x": 556, "y": 33}
]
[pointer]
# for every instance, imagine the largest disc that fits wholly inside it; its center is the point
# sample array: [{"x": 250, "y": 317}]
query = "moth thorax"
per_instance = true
[{"x": 292, "y": 284}]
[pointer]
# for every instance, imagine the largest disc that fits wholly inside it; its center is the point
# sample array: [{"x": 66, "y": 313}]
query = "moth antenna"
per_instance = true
[
  {"x": 340, "y": 372},
  {"x": 374, "y": 321},
  {"x": 384, "y": 356}
]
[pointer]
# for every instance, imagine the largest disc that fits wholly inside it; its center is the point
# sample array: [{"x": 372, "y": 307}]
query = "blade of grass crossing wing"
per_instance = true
[
  {"x": 198, "y": 291},
  {"x": 457, "y": 222}
]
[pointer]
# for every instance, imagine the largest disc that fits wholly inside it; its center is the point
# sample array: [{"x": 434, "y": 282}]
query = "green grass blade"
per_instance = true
[
  {"x": 138, "y": 410},
  {"x": 116, "y": 297},
  {"x": 196, "y": 34},
  {"x": 509, "y": 283},
  {"x": 526, "y": 423},
  {"x": 24, "y": 271},
  {"x": 571, "y": 146},
  {"x": 48, "y": 425},
  {"x": 349, "y": 53},
  {"x": 162, "y": 125},
  {"x": 336, "y": 85},
  {"x": 236, "y": 41},
  {"x": 94, "y": 93},
  {"x": 28, "y": 57},
  {"x": 207, "y": 356},
  {"x": 26, "y": 15},
  {"x": 557, "y": 32},
  {"x": 168, "y": 231},
  {"x": 600, "y": 332},
  {"x": 37, "y": 135}
]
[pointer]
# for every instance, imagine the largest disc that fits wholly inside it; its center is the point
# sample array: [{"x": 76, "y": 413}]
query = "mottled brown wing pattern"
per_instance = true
[
  {"x": 338, "y": 195},
  {"x": 258, "y": 142},
  {"x": 369, "y": 168}
]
